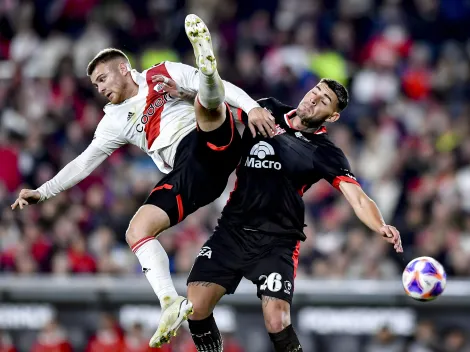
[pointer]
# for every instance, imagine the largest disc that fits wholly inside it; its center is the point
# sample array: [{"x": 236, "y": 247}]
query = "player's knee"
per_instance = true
[
  {"x": 218, "y": 108},
  {"x": 275, "y": 323},
  {"x": 209, "y": 120},
  {"x": 204, "y": 299},
  {"x": 148, "y": 221},
  {"x": 135, "y": 233},
  {"x": 201, "y": 308},
  {"x": 276, "y": 316}
]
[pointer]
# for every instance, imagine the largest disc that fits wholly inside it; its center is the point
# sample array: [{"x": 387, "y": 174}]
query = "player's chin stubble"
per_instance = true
[{"x": 311, "y": 122}]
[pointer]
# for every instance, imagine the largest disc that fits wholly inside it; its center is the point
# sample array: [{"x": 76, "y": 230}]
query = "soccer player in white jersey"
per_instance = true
[{"x": 197, "y": 146}]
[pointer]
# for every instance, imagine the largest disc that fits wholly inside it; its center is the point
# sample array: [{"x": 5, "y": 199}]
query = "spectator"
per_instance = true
[
  {"x": 52, "y": 338},
  {"x": 108, "y": 337},
  {"x": 80, "y": 260},
  {"x": 385, "y": 341},
  {"x": 6, "y": 343},
  {"x": 455, "y": 341},
  {"x": 425, "y": 339},
  {"x": 136, "y": 341}
]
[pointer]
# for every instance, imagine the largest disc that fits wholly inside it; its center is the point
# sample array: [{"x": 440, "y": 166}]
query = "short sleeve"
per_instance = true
[
  {"x": 108, "y": 136},
  {"x": 335, "y": 166}
]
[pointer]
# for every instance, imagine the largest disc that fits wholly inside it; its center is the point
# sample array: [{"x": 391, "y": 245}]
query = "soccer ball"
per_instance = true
[{"x": 424, "y": 279}]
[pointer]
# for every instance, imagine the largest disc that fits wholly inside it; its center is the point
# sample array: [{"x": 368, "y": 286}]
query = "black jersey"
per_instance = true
[{"x": 274, "y": 173}]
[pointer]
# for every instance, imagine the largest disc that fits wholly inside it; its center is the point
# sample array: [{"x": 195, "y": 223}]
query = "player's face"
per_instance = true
[
  {"x": 318, "y": 106},
  {"x": 109, "y": 79}
]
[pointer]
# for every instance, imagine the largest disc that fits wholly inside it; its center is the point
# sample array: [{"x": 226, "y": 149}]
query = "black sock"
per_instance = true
[
  {"x": 286, "y": 340},
  {"x": 206, "y": 335}
]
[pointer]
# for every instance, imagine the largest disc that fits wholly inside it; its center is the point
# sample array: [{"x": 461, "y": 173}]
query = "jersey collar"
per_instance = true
[{"x": 288, "y": 116}]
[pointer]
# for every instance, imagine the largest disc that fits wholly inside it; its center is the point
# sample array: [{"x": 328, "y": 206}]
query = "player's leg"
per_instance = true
[
  {"x": 214, "y": 273},
  {"x": 164, "y": 207},
  {"x": 277, "y": 320},
  {"x": 274, "y": 276},
  {"x": 209, "y": 104},
  {"x": 148, "y": 222},
  {"x": 202, "y": 325}
]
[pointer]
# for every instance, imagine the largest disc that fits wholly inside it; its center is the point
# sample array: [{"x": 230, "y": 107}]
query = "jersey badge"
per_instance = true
[
  {"x": 301, "y": 136},
  {"x": 279, "y": 130}
]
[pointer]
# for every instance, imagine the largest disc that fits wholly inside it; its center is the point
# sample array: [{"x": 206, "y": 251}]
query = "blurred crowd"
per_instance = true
[{"x": 405, "y": 62}]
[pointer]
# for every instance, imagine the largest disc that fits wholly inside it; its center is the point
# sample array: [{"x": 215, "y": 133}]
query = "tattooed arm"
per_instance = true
[{"x": 175, "y": 90}]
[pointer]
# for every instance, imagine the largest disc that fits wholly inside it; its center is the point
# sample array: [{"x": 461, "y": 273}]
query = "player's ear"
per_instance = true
[
  {"x": 124, "y": 67},
  {"x": 334, "y": 117}
]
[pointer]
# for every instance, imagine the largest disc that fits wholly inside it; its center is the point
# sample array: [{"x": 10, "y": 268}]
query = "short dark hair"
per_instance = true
[
  {"x": 340, "y": 91},
  {"x": 103, "y": 56}
]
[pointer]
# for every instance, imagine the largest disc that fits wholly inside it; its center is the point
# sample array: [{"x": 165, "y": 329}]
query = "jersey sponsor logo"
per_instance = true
[
  {"x": 261, "y": 150},
  {"x": 130, "y": 115},
  {"x": 159, "y": 102},
  {"x": 205, "y": 252}
]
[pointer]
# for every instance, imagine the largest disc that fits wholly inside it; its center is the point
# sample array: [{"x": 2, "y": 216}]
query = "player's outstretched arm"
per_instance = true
[
  {"x": 69, "y": 176},
  {"x": 368, "y": 212}
]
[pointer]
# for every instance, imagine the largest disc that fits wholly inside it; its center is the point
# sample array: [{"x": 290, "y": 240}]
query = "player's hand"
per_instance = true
[
  {"x": 261, "y": 119},
  {"x": 26, "y": 197},
  {"x": 168, "y": 85},
  {"x": 392, "y": 235}
]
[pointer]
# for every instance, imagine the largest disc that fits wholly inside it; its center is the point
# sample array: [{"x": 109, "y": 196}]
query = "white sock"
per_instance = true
[
  {"x": 211, "y": 90},
  {"x": 156, "y": 267}
]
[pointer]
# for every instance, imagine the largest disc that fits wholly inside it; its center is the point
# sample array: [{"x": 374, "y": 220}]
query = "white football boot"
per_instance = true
[
  {"x": 200, "y": 38},
  {"x": 173, "y": 315}
]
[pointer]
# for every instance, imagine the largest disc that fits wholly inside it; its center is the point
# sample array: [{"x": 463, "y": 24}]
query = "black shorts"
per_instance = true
[
  {"x": 203, "y": 164},
  {"x": 270, "y": 262}
]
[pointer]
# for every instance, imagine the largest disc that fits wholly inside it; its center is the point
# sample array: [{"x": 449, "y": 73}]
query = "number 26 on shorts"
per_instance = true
[{"x": 273, "y": 282}]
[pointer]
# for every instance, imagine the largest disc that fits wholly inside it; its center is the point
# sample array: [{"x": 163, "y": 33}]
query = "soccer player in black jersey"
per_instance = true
[{"x": 259, "y": 233}]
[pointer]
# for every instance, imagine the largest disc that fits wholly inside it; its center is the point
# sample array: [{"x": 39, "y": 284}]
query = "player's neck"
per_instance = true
[{"x": 131, "y": 90}]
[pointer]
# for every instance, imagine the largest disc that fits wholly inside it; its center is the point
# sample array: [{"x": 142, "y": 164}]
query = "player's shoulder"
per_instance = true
[
  {"x": 328, "y": 148},
  {"x": 111, "y": 123},
  {"x": 170, "y": 68},
  {"x": 107, "y": 119},
  {"x": 158, "y": 68},
  {"x": 275, "y": 105},
  {"x": 279, "y": 110}
]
